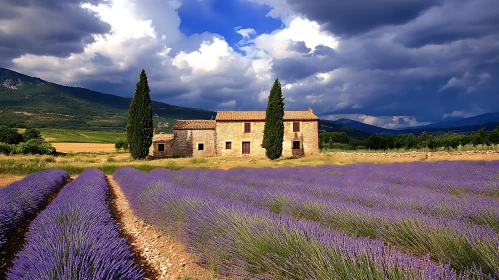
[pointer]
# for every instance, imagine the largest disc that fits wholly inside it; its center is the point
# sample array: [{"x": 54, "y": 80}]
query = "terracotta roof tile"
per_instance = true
[
  {"x": 260, "y": 116},
  {"x": 195, "y": 124}
]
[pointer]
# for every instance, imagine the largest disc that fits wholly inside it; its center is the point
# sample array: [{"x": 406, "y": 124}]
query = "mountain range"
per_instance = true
[
  {"x": 26, "y": 100},
  {"x": 38, "y": 103}
]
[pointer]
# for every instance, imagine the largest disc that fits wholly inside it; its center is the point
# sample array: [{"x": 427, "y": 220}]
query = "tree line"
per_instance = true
[
  {"x": 29, "y": 142},
  {"x": 448, "y": 141}
]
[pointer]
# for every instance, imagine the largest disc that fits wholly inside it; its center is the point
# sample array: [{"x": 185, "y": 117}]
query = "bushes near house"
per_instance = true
[{"x": 121, "y": 144}]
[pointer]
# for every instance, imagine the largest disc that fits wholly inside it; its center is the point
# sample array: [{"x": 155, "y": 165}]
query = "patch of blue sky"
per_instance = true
[{"x": 224, "y": 16}]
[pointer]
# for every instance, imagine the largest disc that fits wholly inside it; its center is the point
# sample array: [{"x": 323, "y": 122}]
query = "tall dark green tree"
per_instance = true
[
  {"x": 139, "y": 128},
  {"x": 273, "y": 132}
]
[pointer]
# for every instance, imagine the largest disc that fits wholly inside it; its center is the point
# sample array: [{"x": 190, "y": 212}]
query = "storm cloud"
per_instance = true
[
  {"x": 390, "y": 62},
  {"x": 55, "y": 28}
]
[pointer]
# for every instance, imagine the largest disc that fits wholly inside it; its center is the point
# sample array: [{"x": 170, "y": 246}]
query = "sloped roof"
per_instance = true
[
  {"x": 194, "y": 124},
  {"x": 162, "y": 137},
  {"x": 260, "y": 116}
]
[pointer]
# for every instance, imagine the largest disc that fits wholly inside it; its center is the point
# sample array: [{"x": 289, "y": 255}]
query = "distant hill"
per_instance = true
[
  {"x": 38, "y": 103},
  {"x": 459, "y": 130},
  {"x": 331, "y": 126},
  {"x": 471, "y": 121},
  {"x": 364, "y": 127}
]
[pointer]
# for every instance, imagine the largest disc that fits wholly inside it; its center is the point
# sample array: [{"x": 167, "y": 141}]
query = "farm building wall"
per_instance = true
[
  {"x": 233, "y": 132},
  {"x": 205, "y": 138},
  {"x": 185, "y": 143},
  {"x": 166, "y": 140}
]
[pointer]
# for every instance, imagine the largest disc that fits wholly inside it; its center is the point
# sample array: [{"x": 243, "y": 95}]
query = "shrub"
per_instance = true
[
  {"x": 9, "y": 135},
  {"x": 121, "y": 144},
  {"x": 31, "y": 133},
  {"x": 7, "y": 149},
  {"x": 35, "y": 146}
]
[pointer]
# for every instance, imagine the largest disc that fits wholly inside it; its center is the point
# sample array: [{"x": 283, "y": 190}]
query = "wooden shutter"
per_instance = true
[
  {"x": 161, "y": 147},
  {"x": 228, "y": 145},
  {"x": 247, "y": 127},
  {"x": 246, "y": 148},
  {"x": 296, "y": 126}
]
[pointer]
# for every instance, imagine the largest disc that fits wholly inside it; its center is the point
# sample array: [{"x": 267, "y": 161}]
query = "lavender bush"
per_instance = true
[
  {"x": 242, "y": 240},
  {"x": 75, "y": 237},
  {"x": 461, "y": 230},
  {"x": 25, "y": 197}
]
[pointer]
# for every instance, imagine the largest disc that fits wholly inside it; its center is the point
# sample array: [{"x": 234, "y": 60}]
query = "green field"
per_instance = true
[{"x": 80, "y": 136}]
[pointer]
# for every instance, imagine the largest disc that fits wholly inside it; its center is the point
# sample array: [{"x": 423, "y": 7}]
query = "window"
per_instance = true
[
  {"x": 228, "y": 145},
  {"x": 247, "y": 127},
  {"x": 296, "y": 126},
  {"x": 200, "y": 147},
  {"x": 161, "y": 147},
  {"x": 296, "y": 145},
  {"x": 246, "y": 148}
]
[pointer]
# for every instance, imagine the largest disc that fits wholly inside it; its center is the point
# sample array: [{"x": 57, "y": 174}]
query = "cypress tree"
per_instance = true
[
  {"x": 139, "y": 128},
  {"x": 273, "y": 132}
]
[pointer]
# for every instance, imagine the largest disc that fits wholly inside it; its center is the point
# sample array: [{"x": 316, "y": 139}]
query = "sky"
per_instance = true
[{"x": 390, "y": 63}]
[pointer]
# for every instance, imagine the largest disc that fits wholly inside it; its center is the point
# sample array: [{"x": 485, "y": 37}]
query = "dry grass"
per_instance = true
[
  {"x": 75, "y": 163},
  {"x": 6, "y": 179}
]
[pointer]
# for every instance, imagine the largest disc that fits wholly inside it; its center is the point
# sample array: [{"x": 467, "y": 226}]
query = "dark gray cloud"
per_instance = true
[
  {"x": 420, "y": 58},
  {"x": 431, "y": 59},
  {"x": 291, "y": 69},
  {"x": 56, "y": 28},
  {"x": 456, "y": 20},
  {"x": 299, "y": 47},
  {"x": 347, "y": 18}
]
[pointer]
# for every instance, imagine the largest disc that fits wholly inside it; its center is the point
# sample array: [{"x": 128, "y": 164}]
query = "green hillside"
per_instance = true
[
  {"x": 31, "y": 101},
  {"x": 330, "y": 126}
]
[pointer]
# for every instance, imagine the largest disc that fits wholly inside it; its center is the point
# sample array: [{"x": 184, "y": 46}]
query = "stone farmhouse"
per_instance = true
[{"x": 237, "y": 133}]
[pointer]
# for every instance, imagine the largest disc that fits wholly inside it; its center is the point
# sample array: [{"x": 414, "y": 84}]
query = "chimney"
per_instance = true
[{"x": 310, "y": 109}]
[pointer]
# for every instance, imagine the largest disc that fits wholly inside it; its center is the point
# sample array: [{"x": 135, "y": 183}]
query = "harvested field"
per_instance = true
[{"x": 83, "y": 147}]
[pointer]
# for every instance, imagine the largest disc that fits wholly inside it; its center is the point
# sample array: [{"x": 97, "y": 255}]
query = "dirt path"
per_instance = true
[{"x": 165, "y": 258}]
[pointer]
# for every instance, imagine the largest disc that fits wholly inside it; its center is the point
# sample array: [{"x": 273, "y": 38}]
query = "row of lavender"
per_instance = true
[
  {"x": 430, "y": 188},
  {"x": 462, "y": 232},
  {"x": 25, "y": 197},
  {"x": 75, "y": 237},
  {"x": 243, "y": 240}
]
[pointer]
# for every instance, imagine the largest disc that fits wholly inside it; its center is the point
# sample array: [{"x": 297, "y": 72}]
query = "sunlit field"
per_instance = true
[{"x": 405, "y": 220}]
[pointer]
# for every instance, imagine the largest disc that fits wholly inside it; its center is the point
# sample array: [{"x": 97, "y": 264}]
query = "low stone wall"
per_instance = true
[{"x": 413, "y": 153}]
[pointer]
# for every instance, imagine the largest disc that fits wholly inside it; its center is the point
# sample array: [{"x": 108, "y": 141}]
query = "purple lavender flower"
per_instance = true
[
  {"x": 75, "y": 237},
  {"x": 247, "y": 241},
  {"x": 25, "y": 197}
]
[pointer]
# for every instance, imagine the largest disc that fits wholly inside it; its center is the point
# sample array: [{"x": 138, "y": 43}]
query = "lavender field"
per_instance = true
[
  {"x": 417, "y": 220},
  {"x": 75, "y": 237}
]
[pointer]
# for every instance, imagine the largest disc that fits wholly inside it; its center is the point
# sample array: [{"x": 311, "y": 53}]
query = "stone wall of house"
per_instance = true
[
  {"x": 161, "y": 139},
  {"x": 185, "y": 143},
  {"x": 208, "y": 139},
  {"x": 182, "y": 144},
  {"x": 167, "y": 152},
  {"x": 233, "y": 131},
  {"x": 307, "y": 136}
]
